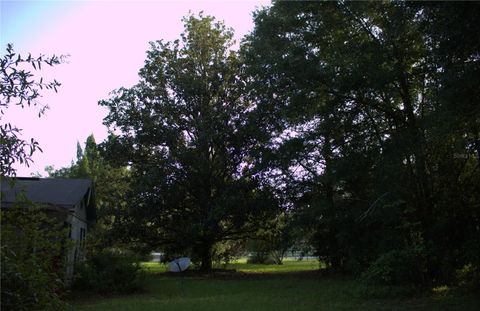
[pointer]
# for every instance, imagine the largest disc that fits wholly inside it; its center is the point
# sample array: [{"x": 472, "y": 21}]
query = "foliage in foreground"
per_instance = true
[
  {"x": 18, "y": 87},
  {"x": 33, "y": 250}
]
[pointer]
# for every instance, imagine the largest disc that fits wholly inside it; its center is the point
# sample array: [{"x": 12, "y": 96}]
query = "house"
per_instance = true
[{"x": 68, "y": 200}]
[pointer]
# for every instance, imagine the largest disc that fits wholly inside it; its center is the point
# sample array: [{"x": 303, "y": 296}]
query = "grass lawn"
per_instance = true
[
  {"x": 260, "y": 287},
  {"x": 242, "y": 266}
]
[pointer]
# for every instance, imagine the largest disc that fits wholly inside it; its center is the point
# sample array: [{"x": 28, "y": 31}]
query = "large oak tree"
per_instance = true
[{"x": 186, "y": 134}]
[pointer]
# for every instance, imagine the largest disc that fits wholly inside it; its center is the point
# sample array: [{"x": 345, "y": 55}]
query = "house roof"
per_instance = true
[{"x": 60, "y": 192}]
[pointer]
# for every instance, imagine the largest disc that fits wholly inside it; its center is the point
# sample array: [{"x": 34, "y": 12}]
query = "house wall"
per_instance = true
[
  {"x": 56, "y": 198},
  {"x": 78, "y": 231}
]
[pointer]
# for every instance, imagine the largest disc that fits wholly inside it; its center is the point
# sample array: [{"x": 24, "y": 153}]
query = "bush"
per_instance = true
[
  {"x": 109, "y": 271},
  {"x": 397, "y": 267},
  {"x": 468, "y": 277},
  {"x": 261, "y": 258},
  {"x": 32, "y": 259},
  {"x": 227, "y": 251}
]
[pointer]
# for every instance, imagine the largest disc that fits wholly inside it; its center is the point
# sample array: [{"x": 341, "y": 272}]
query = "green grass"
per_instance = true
[
  {"x": 154, "y": 267},
  {"x": 242, "y": 266},
  {"x": 262, "y": 288},
  {"x": 287, "y": 266}
]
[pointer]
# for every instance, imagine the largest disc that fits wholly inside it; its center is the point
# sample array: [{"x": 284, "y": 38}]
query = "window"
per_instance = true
[{"x": 82, "y": 238}]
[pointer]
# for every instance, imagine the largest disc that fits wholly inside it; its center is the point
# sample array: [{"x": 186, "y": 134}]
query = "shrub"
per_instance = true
[
  {"x": 109, "y": 271},
  {"x": 32, "y": 259},
  {"x": 468, "y": 277},
  {"x": 227, "y": 251},
  {"x": 261, "y": 258},
  {"x": 397, "y": 267}
]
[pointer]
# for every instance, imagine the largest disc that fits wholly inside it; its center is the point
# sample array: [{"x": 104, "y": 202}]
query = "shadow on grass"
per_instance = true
[
  {"x": 233, "y": 274},
  {"x": 228, "y": 289}
]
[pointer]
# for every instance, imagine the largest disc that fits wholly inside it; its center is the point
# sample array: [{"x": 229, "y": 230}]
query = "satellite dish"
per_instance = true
[{"x": 179, "y": 264}]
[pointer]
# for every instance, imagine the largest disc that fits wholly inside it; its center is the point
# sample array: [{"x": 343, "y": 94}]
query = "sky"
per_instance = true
[{"x": 106, "y": 41}]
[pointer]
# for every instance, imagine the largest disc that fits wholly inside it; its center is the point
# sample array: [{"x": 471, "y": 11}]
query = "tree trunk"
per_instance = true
[{"x": 206, "y": 256}]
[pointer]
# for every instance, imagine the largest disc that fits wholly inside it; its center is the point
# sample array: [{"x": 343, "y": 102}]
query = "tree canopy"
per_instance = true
[{"x": 374, "y": 127}]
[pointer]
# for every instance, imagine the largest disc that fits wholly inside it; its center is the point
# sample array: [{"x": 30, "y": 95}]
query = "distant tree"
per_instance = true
[
  {"x": 17, "y": 87},
  {"x": 271, "y": 243},
  {"x": 110, "y": 184},
  {"x": 185, "y": 132}
]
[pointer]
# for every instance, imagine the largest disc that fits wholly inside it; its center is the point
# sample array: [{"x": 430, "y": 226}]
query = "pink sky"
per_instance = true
[{"x": 106, "y": 41}]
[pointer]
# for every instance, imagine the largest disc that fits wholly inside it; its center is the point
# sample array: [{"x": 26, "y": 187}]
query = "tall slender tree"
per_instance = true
[{"x": 110, "y": 184}]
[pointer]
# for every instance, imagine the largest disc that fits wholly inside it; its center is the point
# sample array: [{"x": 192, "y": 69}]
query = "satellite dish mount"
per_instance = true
[{"x": 180, "y": 265}]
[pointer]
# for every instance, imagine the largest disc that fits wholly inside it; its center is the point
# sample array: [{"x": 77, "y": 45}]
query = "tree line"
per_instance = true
[{"x": 354, "y": 126}]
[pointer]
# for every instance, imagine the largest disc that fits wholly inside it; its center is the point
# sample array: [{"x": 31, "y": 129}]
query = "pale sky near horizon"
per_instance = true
[{"x": 106, "y": 41}]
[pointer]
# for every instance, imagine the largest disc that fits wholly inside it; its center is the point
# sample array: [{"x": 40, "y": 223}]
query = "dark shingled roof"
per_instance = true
[{"x": 60, "y": 192}]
